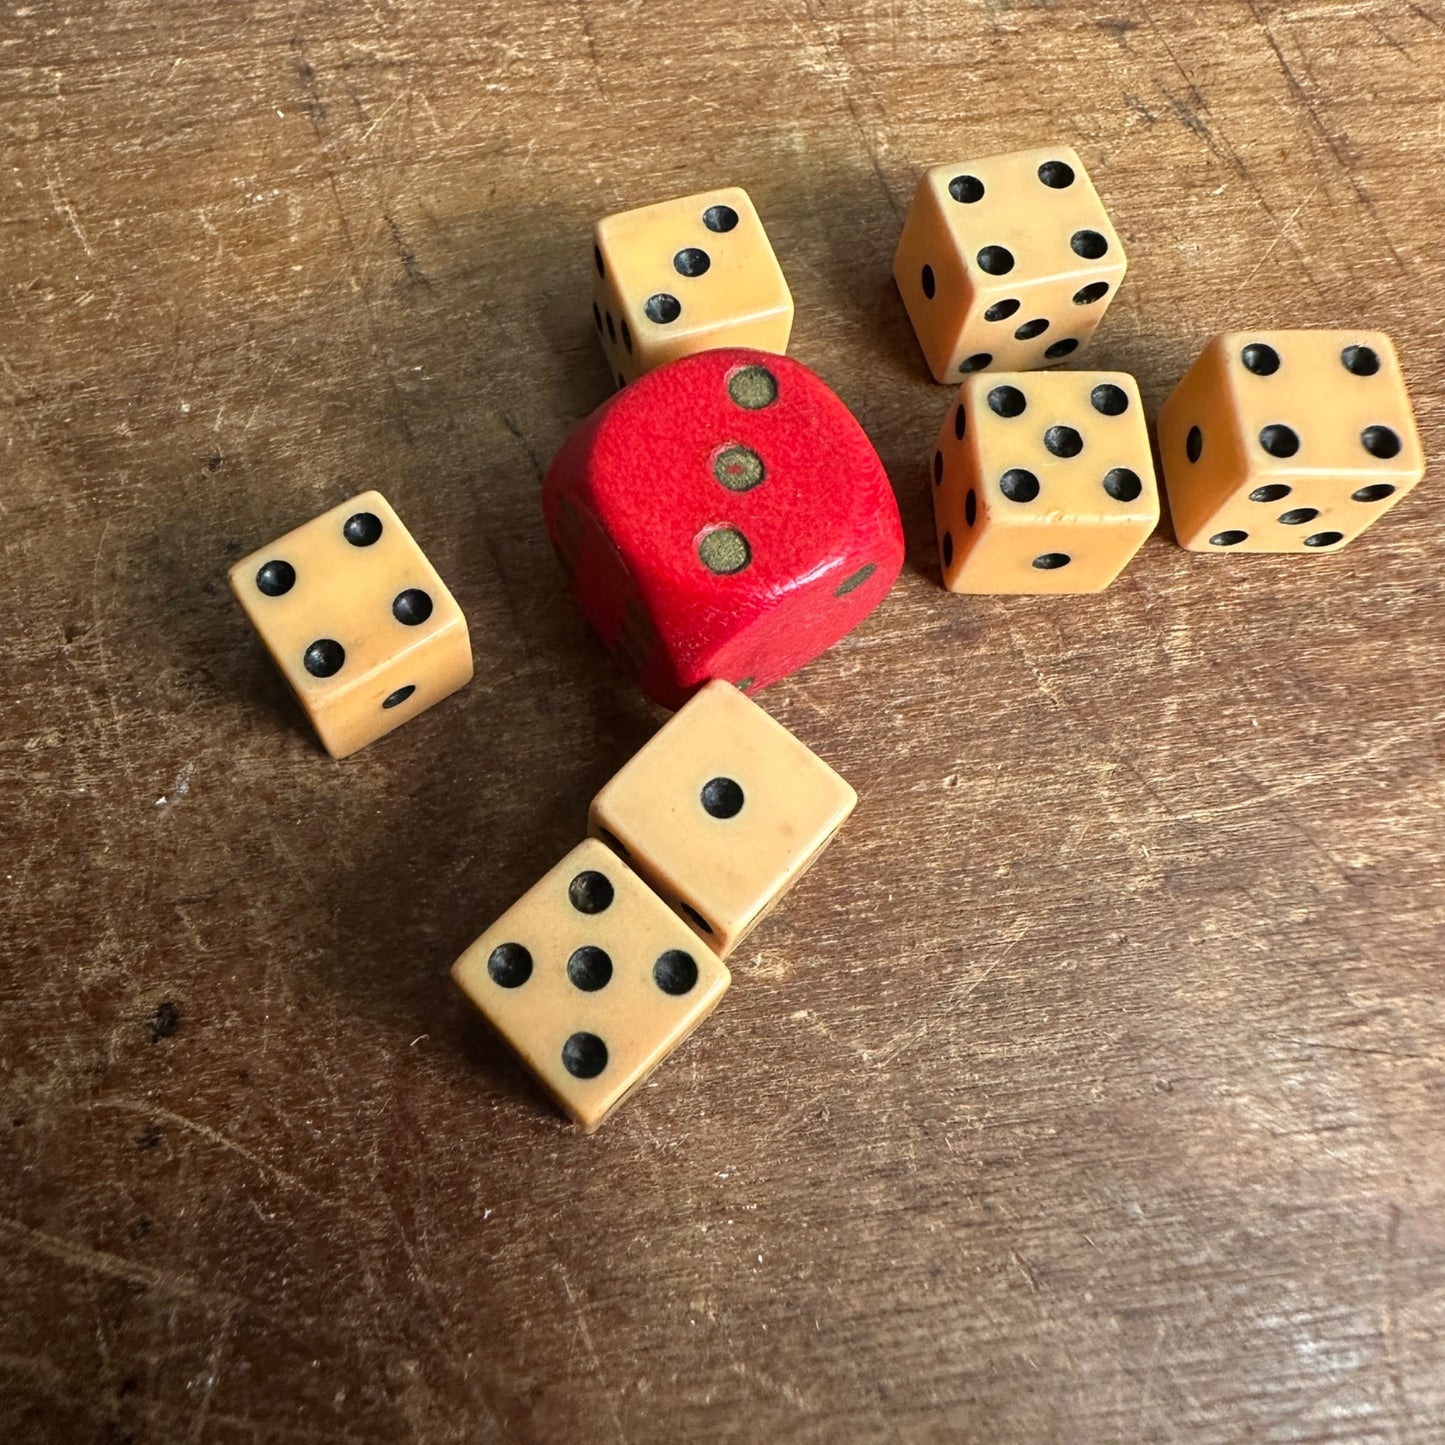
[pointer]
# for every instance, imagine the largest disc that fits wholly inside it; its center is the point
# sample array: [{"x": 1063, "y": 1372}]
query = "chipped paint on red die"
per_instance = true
[{"x": 724, "y": 516}]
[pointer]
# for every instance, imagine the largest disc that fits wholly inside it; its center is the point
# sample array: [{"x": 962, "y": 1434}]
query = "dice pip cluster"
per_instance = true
[{"x": 724, "y": 519}]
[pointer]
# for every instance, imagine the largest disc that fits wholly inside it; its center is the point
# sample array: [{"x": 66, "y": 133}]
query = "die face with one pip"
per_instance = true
[
  {"x": 360, "y": 624},
  {"x": 721, "y": 812},
  {"x": 1043, "y": 482},
  {"x": 723, "y": 517},
  {"x": 1006, "y": 263},
  {"x": 1287, "y": 441},
  {"x": 684, "y": 276},
  {"x": 592, "y": 980}
]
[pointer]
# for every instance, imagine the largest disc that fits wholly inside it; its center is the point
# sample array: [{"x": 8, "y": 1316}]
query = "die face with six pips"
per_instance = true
[
  {"x": 358, "y": 621},
  {"x": 1006, "y": 263},
  {"x": 592, "y": 979},
  {"x": 1287, "y": 441}
]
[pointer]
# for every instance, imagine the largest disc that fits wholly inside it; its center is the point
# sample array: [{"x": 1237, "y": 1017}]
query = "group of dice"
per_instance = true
[
  {"x": 724, "y": 519},
  {"x": 1276, "y": 441},
  {"x": 610, "y": 961}
]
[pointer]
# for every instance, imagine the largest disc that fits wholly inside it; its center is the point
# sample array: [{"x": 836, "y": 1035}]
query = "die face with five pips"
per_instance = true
[
  {"x": 1287, "y": 441},
  {"x": 722, "y": 811},
  {"x": 1043, "y": 482},
  {"x": 1006, "y": 263},
  {"x": 592, "y": 979},
  {"x": 684, "y": 276},
  {"x": 358, "y": 621}
]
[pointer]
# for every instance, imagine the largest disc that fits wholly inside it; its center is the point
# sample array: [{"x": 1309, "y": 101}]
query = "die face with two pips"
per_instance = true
[
  {"x": 1287, "y": 441},
  {"x": 686, "y": 276},
  {"x": 723, "y": 517},
  {"x": 1006, "y": 263},
  {"x": 1043, "y": 482},
  {"x": 592, "y": 979},
  {"x": 358, "y": 621},
  {"x": 721, "y": 812}
]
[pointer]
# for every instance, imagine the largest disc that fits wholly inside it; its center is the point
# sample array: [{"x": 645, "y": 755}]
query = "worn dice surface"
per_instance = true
[
  {"x": 1287, "y": 441},
  {"x": 724, "y": 517},
  {"x": 1006, "y": 263},
  {"x": 592, "y": 979},
  {"x": 722, "y": 811},
  {"x": 1043, "y": 482},
  {"x": 358, "y": 621},
  {"x": 686, "y": 276}
]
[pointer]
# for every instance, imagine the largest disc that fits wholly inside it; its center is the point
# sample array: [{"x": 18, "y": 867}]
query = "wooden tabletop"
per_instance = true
[{"x": 1089, "y": 1089}]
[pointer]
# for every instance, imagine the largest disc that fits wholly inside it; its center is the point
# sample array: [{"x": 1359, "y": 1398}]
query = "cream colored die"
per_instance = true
[
  {"x": 684, "y": 276},
  {"x": 1043, "y": 482},
  {"x": 721, "y": 812},
  {"x": 592, "y": 979},
  {"x": 358, "y": 621},
  {"x": 1287, "y": 441},
  {"x": 1006, "y": 263}
]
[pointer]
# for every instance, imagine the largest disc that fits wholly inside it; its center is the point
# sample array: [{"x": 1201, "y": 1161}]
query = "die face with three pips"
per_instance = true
[
  {"x": 1287, "y": 441},
  {"x": 1006, "y": 263},
  {"x": 358, "y": 621},
  {"x": 684, "y": 276},
  {"x": 724, "y": 517}
]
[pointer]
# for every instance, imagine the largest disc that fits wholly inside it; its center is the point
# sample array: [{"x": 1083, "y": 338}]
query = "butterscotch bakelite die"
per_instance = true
[
  {"x": 592, "y": 980},
  {"x": 1006, "y": 263},
  {"x": 1287, "y": 441},
  {"x": 1042, "y": 482},
  {"x": 722, "y": 811},
  {"x": 358, "y": 621},
  {"x": 685, "y": 276}
]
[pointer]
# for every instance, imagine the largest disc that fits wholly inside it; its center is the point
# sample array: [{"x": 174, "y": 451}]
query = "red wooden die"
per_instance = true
[{"x": 722, "y": 517}]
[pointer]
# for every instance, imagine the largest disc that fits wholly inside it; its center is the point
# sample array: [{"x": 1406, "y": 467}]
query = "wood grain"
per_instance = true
[{"x": 1089, "y": 1090}]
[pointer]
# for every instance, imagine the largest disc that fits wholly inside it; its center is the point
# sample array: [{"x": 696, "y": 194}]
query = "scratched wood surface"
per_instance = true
[{"x": 1090, "y": 1089}]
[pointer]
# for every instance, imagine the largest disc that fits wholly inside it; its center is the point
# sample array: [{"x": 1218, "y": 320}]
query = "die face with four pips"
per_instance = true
[
  {"x": 1287, "y": 441},
  {"x": 593, "y": 981},
  {"x": 1006, "y": 263},
  {"x": 686, "y": 276},
  {"x": 1043, "y": 482},
  {"x": 722, "y": 811},
  {"x": 358, "y": 621},
  {"x": 723, "y": 517}
]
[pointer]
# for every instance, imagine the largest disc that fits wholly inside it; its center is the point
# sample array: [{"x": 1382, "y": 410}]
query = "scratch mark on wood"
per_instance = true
[
  {"x": 1025, "y": 1269},
  {"x": 584, "y": 14},
  {"x": 1328, "y": 136},
  {"x": 1270, "y": 249},
  {"x": 213, "y": 1136},
  {"x": 406, "y": 255},
  {"x": 843, "y": 72},
  {"x": 580, "y": 1316},
  {"x": 63, "y": 208}
]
